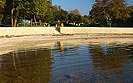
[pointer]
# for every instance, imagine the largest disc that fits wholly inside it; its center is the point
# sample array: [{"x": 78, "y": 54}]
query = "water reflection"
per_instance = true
[
  {"x": 111, "y": 56},
  {"x": 83, "y": 62},
  {"x": 26, "y": 66}
]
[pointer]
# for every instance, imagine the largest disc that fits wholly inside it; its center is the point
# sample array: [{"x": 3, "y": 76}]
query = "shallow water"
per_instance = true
[{"x": 69, "y": 63}]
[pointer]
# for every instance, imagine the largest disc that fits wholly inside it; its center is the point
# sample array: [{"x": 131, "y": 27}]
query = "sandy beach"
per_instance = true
[{"x": 14, "y": 43}]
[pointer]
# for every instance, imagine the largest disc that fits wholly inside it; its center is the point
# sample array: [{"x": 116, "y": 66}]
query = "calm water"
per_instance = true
[{"x": 67, "y": 63}]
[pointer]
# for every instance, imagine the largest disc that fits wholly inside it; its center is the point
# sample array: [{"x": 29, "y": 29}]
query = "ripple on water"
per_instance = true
[{"x": 70, "y": 63}]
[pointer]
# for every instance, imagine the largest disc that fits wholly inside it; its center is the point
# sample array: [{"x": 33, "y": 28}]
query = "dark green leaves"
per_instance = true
[{"x": 105, "y": 11}]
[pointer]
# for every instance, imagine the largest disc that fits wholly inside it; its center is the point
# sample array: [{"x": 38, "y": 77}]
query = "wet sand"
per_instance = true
[{"x": 14, "y": 43}]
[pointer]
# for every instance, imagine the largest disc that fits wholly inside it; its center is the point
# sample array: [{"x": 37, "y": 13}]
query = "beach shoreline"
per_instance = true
[{"x": 8, "y": 44}]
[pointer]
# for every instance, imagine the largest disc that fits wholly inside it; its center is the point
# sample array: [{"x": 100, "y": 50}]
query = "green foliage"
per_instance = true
[
  {"x": 86, "y": 19},
  {"x": 74, "y": 16},
  {"x": 1, "y": 16},
  {"x": 75, "y": 12},
  {"x": 2, "y": 2},
  {"x": 27, "y": 8},
  {"x": 41, "y": 11},
  {"x": 55, "y": 14},
  {"x": 2, "y": 5},
  {"x": 62, "y": 15},
  {"x": 129, "y": 21},
  {"x": 105, "y": 11},
  {"x": 40, "y": 7}
]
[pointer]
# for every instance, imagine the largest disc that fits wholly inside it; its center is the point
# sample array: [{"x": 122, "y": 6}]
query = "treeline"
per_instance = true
[
  {"x": 111, "y": 13},
  {"x": 38, "y": 11},
  {"x": 103, "y": 13}
]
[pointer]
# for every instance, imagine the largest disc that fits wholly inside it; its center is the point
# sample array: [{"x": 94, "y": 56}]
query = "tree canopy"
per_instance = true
[
  {"x": 106, "y": 12},
  {"x": 103, "y": 13}
]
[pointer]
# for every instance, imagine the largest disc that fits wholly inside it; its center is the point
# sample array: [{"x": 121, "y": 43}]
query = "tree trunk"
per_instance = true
[
  {"x": 35, "y": 20},
  {"x": 12, "y": 10},
  {"x": 15, "y": 20},
  {"x": 31, "y": 22},
  {"x": 14, "y": 62}
]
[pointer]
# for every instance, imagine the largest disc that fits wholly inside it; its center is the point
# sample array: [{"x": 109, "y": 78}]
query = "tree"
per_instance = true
[
  {"x": 51, "y": 14},
  {"x": 74, "y": 16},
  {"x": 36, "y": 11},
  {"x": 12, "y": 8},
  {"x": 56, "y": 14},
  {"x": 16, "y": 5},
  {"x": 2, "y": 5},
  {"x": 75, "y": 12},
  {"x": 17, "y": 8},
  {"x": 86, "y": 19},
  {"x": 105, "y": 12},
  {"x": 40, "y": 8},
  {"x": 62, "y": 16},
  {"x": 129, "y": 21}
]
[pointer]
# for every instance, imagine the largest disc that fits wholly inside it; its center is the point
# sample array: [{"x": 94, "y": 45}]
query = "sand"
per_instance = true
[{"x": 15, "y": 43}]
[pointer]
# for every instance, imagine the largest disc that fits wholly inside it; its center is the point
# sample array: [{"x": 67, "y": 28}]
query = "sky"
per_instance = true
[{"x": 84, "y": 6}]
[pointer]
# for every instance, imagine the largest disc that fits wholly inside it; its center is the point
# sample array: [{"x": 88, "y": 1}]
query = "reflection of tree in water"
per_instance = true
[
  {"x": 130, "y": 50},
  {"x": 29, "y": 66},
  {"x": 110, "y": 57}
]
